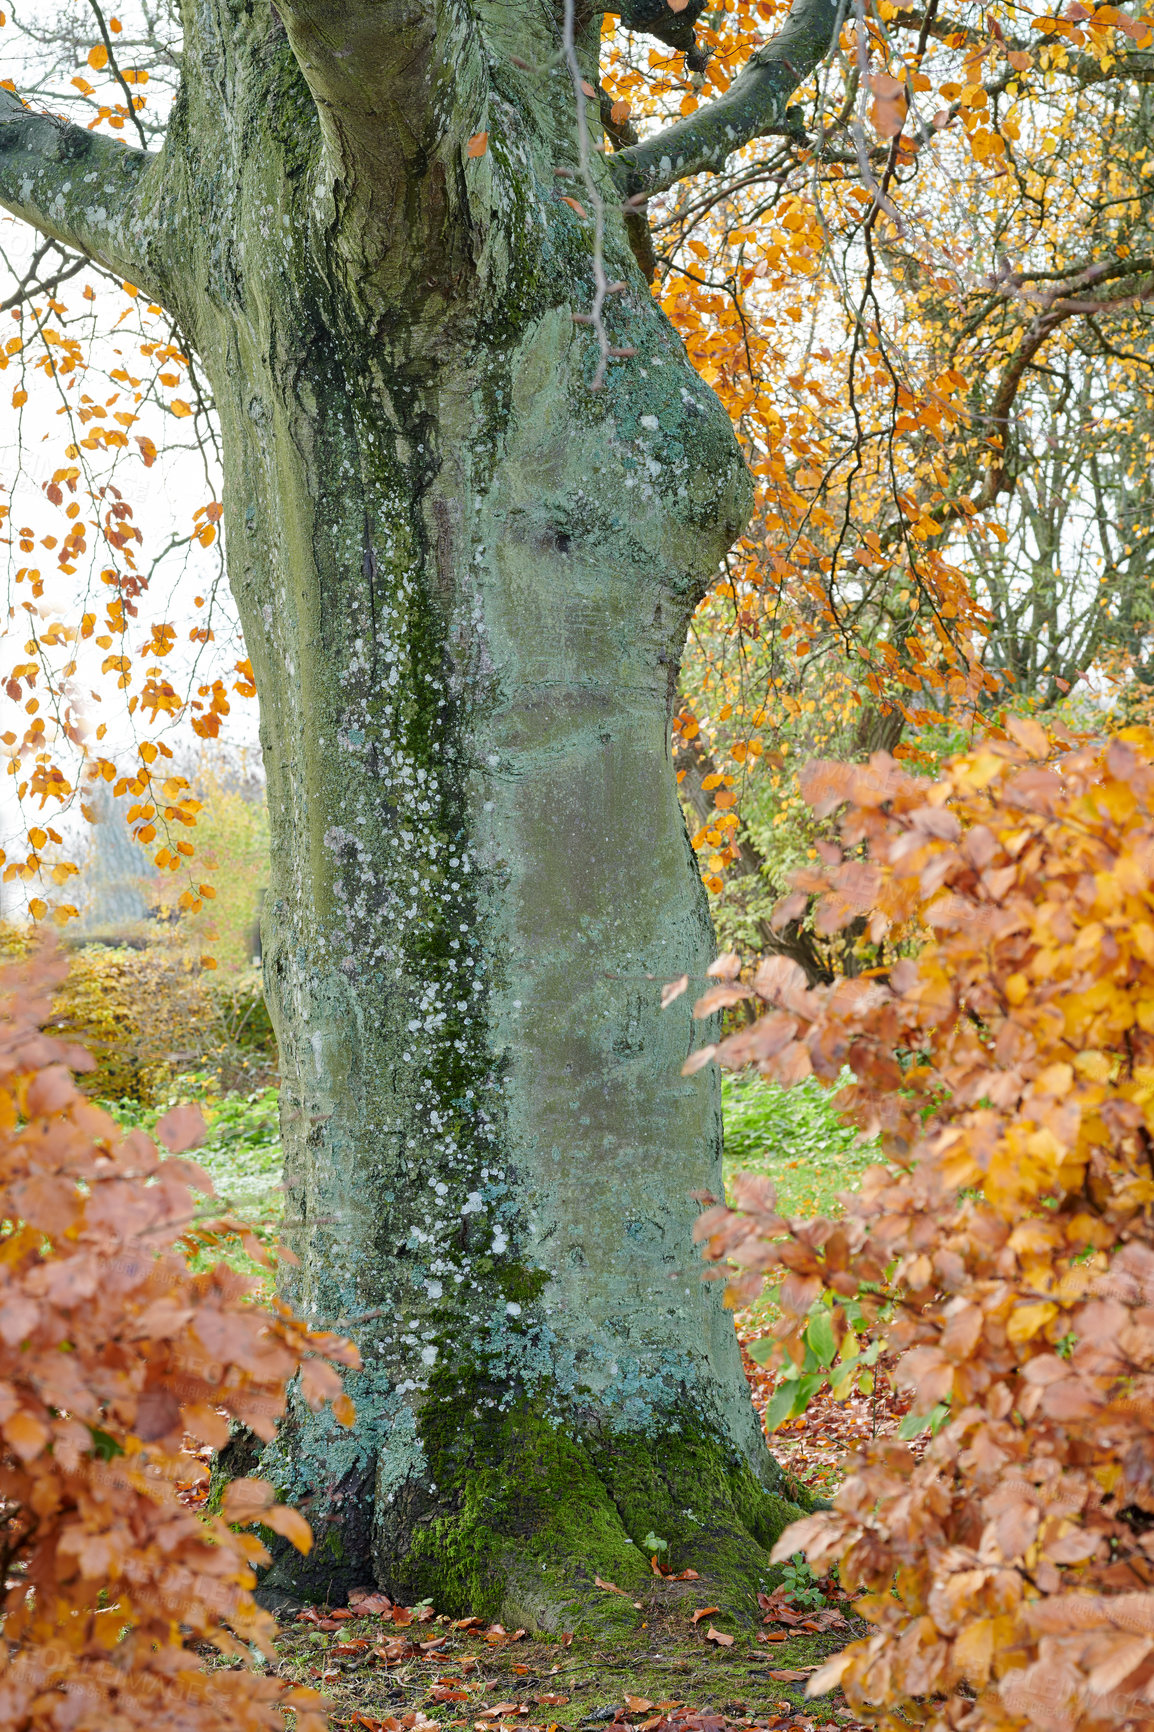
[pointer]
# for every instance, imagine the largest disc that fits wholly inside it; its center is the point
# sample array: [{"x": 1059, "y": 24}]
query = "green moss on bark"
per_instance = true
[{"x": 527, "y": 1515}]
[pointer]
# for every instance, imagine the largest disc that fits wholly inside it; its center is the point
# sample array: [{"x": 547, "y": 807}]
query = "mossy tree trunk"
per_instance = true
[{"x": 464, "y": 577}]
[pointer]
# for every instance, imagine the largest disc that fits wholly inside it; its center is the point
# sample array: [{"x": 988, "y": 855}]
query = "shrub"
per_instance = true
[
  {"x": 150, "y": 1014},
  {"x": 1010, "y": 1067},
  {"x": 111, "y": 1353}
]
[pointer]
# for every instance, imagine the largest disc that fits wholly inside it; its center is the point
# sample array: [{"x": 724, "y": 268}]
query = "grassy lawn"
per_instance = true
[{"x": 795, "y": 1138}]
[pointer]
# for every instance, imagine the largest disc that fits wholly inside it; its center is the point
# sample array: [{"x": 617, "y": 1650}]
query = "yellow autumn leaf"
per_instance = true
[{"x": 1026, "y": 1320}]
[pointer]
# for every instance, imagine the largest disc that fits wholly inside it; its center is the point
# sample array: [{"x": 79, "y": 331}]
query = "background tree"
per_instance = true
[{"x": 928, "y": 291}]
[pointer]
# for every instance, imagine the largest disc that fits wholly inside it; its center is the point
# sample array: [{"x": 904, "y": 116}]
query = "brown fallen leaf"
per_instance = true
[
  {"x": 365, "y": 1604},
  {"x": 399, "y": 1649},
  {"x": 576, "y": 205},
  {"x": 521, "y": 1669},
  {"x": 685, "y": 1576},
  {"x": 500, "y": 1709},
  {"x": 445, "y": 1693},
  {"x": 566, "y": 1638},
  {"x": 787, "y": 1675},
  {"x": 310, "y": 1616},
  {"x": 718, "y": 1636},
  {"x": 638, "y": 1704},
  {"x": 477, "y": 145},
  {"x": 467, "y": 1623},
  {"x": 551, "y": 1700},
  {"x": 705, "y": 1612},
  {"x": 357, "y": 1646}
]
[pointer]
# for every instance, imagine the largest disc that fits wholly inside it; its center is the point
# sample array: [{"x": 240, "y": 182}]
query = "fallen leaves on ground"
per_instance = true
[
  {"x": 341, "y": 1653},
  {"x": 813, "y": 1446},
  {"x": 778, "y": 1610}
]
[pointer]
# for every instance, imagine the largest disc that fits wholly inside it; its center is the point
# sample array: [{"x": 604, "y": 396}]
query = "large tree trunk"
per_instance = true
[{"x": 464, "y": 579}]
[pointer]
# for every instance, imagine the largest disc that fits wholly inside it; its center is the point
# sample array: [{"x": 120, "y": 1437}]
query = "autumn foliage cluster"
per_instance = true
[
  {"x": 1005, "y": 1252},
  {"x": 113, "y": 1355}
]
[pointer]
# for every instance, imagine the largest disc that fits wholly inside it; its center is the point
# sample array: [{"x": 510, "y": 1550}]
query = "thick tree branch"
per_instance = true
[
  {"x": 753, "y": 106},
  {"x": 655, "y": 18},
  {"x": 92, "y": 194},
  {"x": 374, "y": 71}
]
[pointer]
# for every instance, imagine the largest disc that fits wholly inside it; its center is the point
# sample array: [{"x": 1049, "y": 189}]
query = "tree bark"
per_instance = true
[{"x": 464, "y": 579}]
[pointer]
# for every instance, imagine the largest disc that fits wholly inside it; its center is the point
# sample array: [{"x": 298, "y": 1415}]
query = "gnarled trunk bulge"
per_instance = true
[{"x": 464, "y": 577}]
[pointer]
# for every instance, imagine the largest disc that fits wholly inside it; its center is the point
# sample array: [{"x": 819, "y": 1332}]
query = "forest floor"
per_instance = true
[{"x": 669, "y": 1675}]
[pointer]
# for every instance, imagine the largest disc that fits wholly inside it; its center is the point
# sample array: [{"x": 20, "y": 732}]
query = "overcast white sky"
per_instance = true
[{"x": 33, "y": 438}]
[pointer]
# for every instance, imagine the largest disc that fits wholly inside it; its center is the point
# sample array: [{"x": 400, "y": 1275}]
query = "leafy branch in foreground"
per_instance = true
[
  {"x": 111, "y": 1351},
  {"x": 1009, "y": 1066}
]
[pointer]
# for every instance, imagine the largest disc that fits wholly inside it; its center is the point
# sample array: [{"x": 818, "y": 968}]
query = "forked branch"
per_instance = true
[
  {"x": 753, "y": 106},
  {"x": 375, "y": 69}
]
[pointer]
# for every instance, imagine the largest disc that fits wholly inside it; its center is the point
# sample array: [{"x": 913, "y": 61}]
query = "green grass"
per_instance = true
[
  {"x": 791, "y": 1135},
  {"x": 242, "y": 1155},
  {"x": 795, "y": 1138}
]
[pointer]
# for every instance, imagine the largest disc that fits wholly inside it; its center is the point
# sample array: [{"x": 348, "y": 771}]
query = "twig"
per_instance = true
[{"x": 118, "y": 75}]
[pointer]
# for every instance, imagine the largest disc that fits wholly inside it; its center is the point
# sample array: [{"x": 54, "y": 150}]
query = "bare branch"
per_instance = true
[
  {"x": 753, "y": 106},
  {"x": 1133, "y": 64},
  {"x": 92, "y": 194},
  {"x": 114, "y": 65}
]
